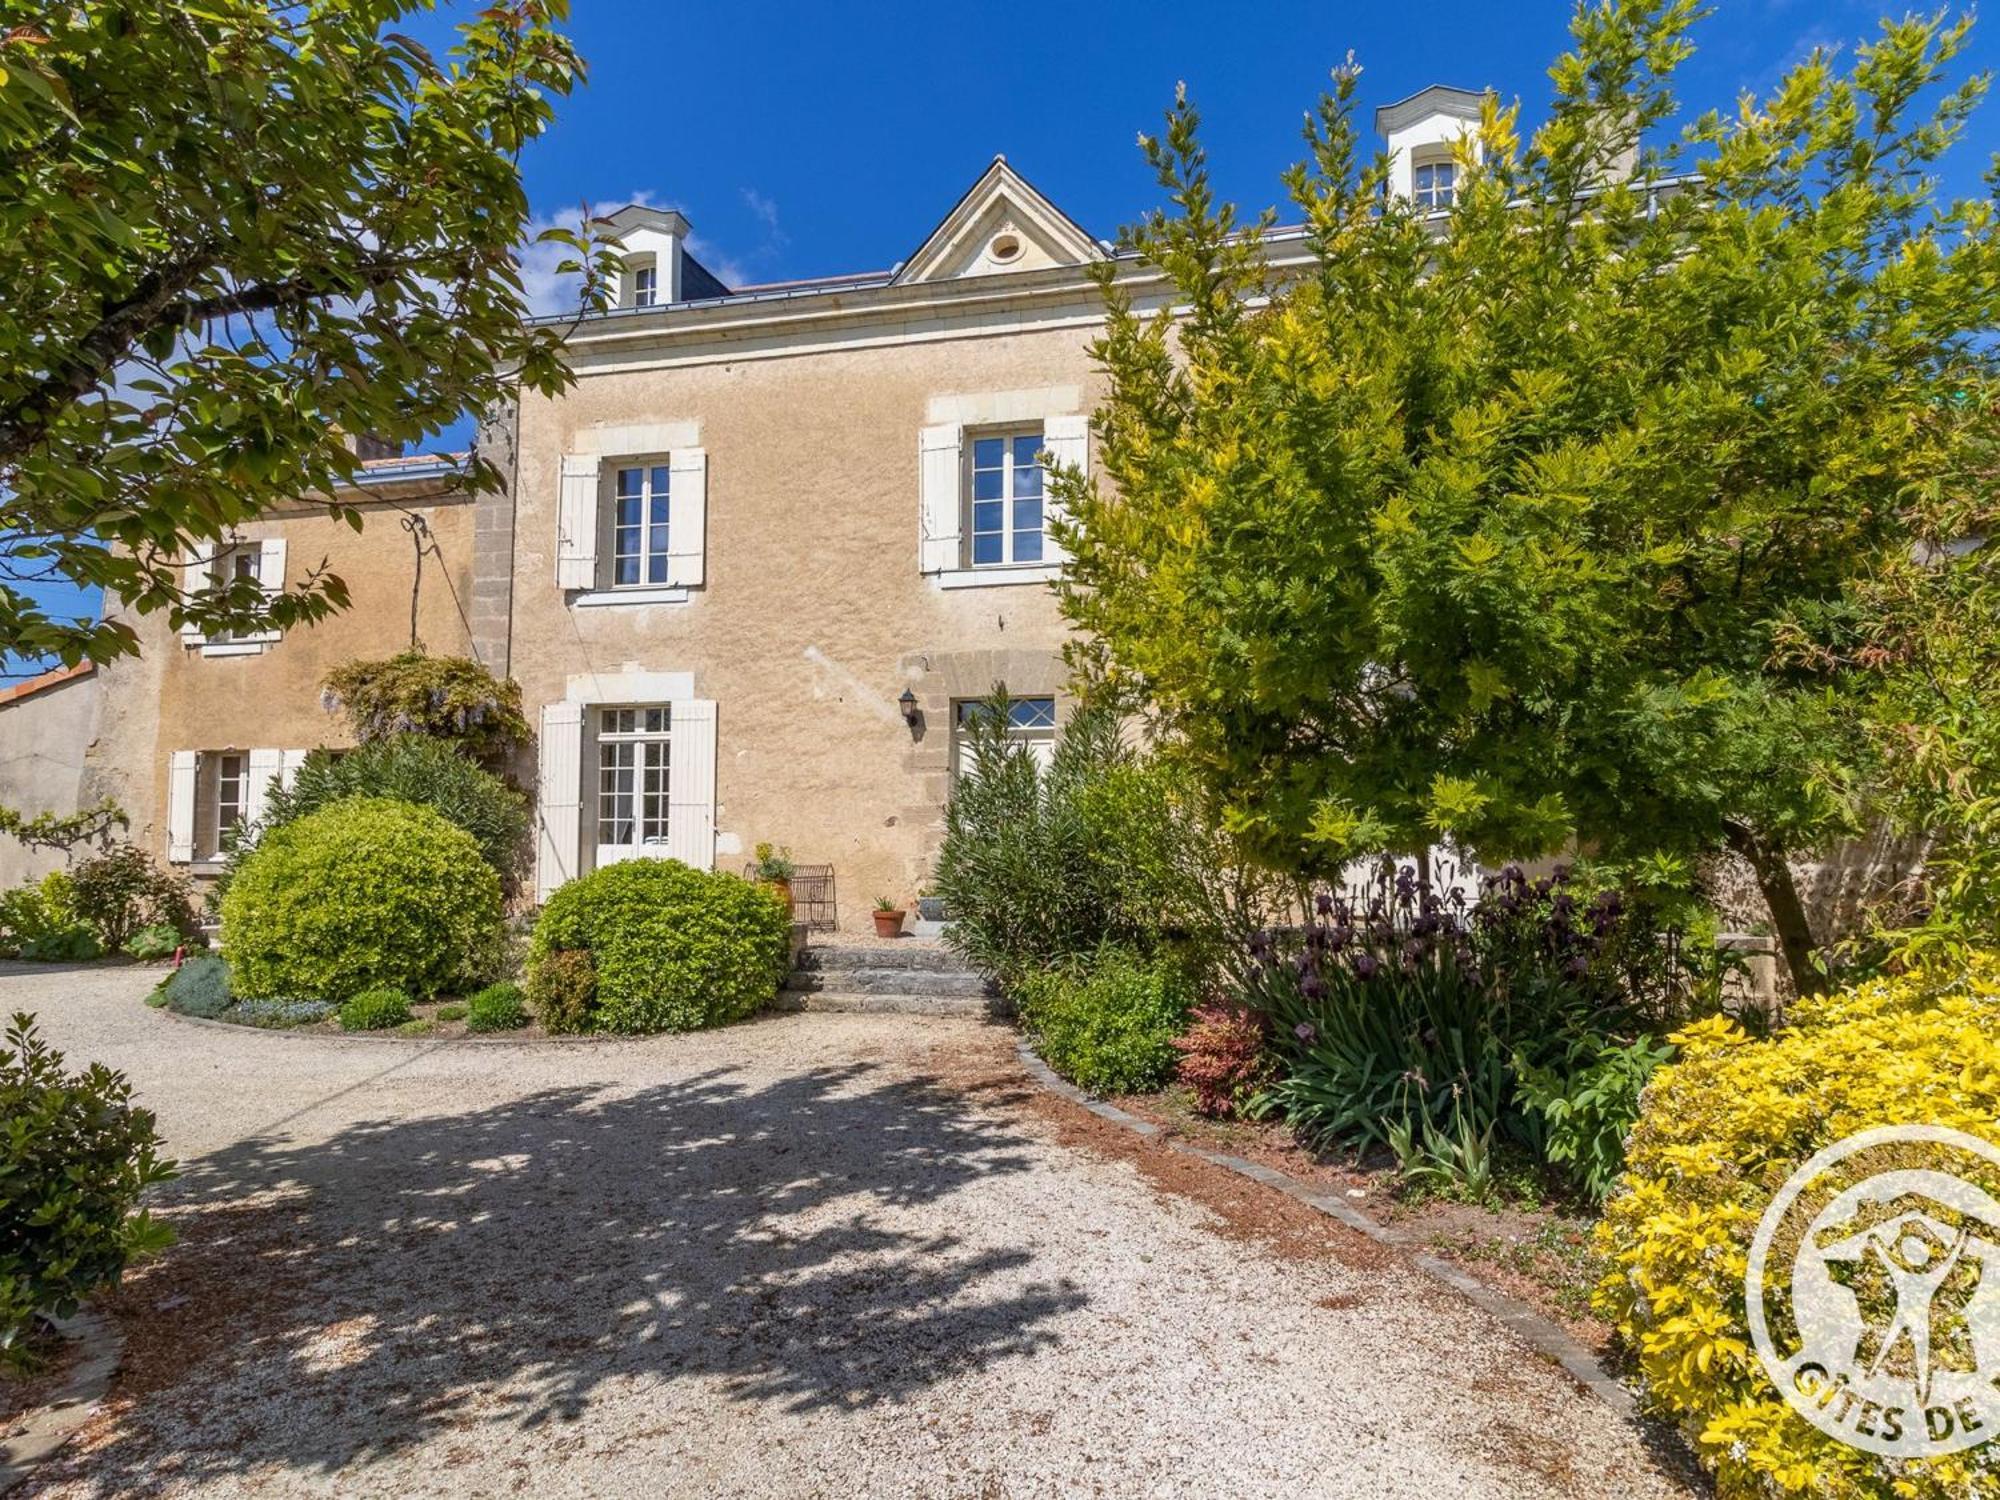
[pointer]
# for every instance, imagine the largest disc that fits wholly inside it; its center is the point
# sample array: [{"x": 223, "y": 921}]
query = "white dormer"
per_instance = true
[
  {"x": 1421, "y": 134},
  {"x": 657, "y": 268}
]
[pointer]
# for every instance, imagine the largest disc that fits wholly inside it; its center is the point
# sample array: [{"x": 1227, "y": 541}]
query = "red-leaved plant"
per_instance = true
[{"x": 1223, "y": 1058}]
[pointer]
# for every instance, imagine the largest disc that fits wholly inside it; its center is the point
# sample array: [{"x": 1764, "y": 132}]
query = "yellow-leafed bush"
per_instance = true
[{"x": 1722, "y": 1129}]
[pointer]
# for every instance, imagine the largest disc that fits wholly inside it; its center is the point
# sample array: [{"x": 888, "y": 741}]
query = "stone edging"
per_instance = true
[
  {"x": 1543, "y": 1335},
  {"x": 49, "y": 1426},
  {"x": 591, "y": 1039}
]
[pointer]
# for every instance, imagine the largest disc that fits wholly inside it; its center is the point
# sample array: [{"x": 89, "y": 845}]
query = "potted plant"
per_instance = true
[
  {"x": 774, "y": 869},
  {"x": 888, "y": 918}
]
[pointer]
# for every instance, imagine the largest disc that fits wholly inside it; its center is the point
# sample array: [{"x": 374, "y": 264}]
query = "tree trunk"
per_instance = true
[{"x": 1781, "y": 894}]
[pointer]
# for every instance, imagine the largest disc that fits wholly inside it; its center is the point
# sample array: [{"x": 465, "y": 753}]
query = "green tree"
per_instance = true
[
  {"x": 1489, "y": 524},
  {"x": 230, "y": 233}
]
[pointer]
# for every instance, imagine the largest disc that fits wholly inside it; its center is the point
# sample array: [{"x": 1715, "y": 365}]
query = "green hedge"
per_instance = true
[
  {"x": 364, "y": 892},
  {"x": 1107, "y": 1021},
  {"x": 674, "y": 949}
]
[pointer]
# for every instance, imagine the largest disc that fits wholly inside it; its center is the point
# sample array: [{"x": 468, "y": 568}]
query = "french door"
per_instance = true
[{"x": 634, "y": 771}]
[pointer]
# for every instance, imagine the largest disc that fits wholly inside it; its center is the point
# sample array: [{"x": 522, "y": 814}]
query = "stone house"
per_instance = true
[{"x": 753, "y": 570}]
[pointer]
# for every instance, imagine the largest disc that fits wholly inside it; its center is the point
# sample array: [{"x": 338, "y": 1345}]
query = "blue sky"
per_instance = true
[{"x": 807, "y": 138}]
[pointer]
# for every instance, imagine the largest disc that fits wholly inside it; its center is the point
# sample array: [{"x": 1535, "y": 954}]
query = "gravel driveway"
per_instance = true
[{"x": 810, "y": 1255}]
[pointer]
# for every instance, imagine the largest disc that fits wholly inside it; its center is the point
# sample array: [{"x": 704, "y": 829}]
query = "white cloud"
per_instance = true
[{"x": 767, "y": 214}]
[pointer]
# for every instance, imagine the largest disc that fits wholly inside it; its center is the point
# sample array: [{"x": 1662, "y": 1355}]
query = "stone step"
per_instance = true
[
  {"x": 850, "y": 1002},
  {"x": 875, "y": 981},
  {"x": 926, "y": 956}
]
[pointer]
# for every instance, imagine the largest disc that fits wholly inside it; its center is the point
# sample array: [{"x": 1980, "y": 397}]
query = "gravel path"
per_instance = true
[{"x": 811, "y": 1255}]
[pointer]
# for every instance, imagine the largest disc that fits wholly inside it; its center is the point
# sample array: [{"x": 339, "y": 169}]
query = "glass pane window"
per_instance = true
[
  {"x": 1005, "y": 510},
  {"x": 231, "y": 784},
  {"x": 1031, "y": 723},
  {"x": 640, "y": 508},
  {"x": 645, "y": 286},
  {"x": 633, "y": 761},
  {"x": 244, "y": 561},
  {"x": 1434, "y": 182}
]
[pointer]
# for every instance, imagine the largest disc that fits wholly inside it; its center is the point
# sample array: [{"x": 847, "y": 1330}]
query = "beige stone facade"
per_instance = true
[
  {"x": 823, "y": 590},
  {"x": 256, "y": 706},
  {"x": 818, "y": 556}
]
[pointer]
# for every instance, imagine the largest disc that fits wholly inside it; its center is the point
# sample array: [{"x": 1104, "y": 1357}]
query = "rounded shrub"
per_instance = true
[
  {"x": 199, "y": 987},
  {"x": 1720, "y": 1131},
  {"x": 363, "y": 892},
  {"x": 498, "y": 1007},
  {"x": 673, "y": 948},
  {"x": 375, "y": 1009},
  {"x": 1107, "y": 1021}
]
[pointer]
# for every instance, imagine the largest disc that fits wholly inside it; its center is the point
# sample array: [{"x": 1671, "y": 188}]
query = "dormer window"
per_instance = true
[
  {"x": 645, "y": 286},
  {"x": 1434, "y": 184}
]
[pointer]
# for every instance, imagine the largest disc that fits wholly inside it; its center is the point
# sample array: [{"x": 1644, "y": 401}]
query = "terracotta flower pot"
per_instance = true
[
  {"x": 783, "y": 889},
  {"x": 888, "y": 924}
]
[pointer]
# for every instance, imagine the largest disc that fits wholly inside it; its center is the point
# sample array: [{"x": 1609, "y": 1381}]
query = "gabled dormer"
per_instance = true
[
  {"x": 657, "y": 268},
  {"x": 1002, "y": 224},
  {"x": 1421, "y": 134}
]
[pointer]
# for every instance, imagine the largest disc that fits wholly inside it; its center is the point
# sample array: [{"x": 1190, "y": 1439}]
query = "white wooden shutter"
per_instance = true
[
  {"x": 577, "y": 523},
  {"x": 180, "y": 806},
  {"x": 939, "y": 511},
  {"x": 265, "y": 767},
  {"x": 289, "y": 762},
  {"x": 1066, "y": 440},
  {"x": 691, "y": 784},
  {"x": 687, "y": 515},
  {"x": 196, "y": 575},
  {"x": 271, "y": 575},
  {"x": 559, "y": 794}
]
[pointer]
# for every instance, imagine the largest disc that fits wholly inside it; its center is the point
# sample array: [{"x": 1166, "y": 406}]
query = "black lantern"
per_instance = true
[{"x": 908, "y": 704}]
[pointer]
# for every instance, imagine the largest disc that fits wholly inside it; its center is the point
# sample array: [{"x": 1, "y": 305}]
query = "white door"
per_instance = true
[{"x": 634, "y": 768}]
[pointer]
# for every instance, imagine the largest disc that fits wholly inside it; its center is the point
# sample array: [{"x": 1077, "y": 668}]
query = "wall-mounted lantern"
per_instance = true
[{"x": 907, "y": 702}]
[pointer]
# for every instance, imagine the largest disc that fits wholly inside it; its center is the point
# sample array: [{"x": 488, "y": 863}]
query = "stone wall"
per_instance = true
[{"x": 44, "y": 725}]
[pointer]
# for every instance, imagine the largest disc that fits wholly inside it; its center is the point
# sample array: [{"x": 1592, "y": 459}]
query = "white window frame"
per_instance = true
[
  {"x": 654, "y": 536},
  {"x": 1038, "y": 732},
  {"x": 641, "y": 734},
  {"x": 1432, "y": 198},
  {"x": 1008, "y": 436},
  {"x": 645, "y": 284},
  {"x": 229, "y": 792},
  {"x": 215, "y": 569},
  {"x": 223, "y": 571}
]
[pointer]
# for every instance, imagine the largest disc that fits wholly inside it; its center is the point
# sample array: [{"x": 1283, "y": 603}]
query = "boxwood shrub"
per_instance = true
[
  {"x": 375, "y": 1009},
  {"x": 496, "y": 1008},
  {"x": 1107, "y": 1021},
  {"x": 363, "y": 892},
  {"x": 673, "y": 948}
]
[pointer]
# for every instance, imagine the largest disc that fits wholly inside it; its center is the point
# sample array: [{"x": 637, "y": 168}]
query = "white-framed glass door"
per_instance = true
[{"x": 634, "y": 767}]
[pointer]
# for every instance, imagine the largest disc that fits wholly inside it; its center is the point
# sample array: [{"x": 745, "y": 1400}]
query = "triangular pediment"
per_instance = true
[{"x": 1001, "y": 225}]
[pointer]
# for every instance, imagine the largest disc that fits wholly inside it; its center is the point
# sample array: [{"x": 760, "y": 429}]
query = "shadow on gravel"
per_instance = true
[{"x": 419, "y": 1279}]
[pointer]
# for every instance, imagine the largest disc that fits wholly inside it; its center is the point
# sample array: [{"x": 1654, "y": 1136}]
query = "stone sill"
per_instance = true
[
  {"x": 981, "y": 578},
  {"x": 605, "y": 598}
]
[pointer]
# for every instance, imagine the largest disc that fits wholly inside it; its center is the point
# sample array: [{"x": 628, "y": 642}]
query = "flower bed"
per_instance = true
[{"x": 1530, "y": 1247}]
